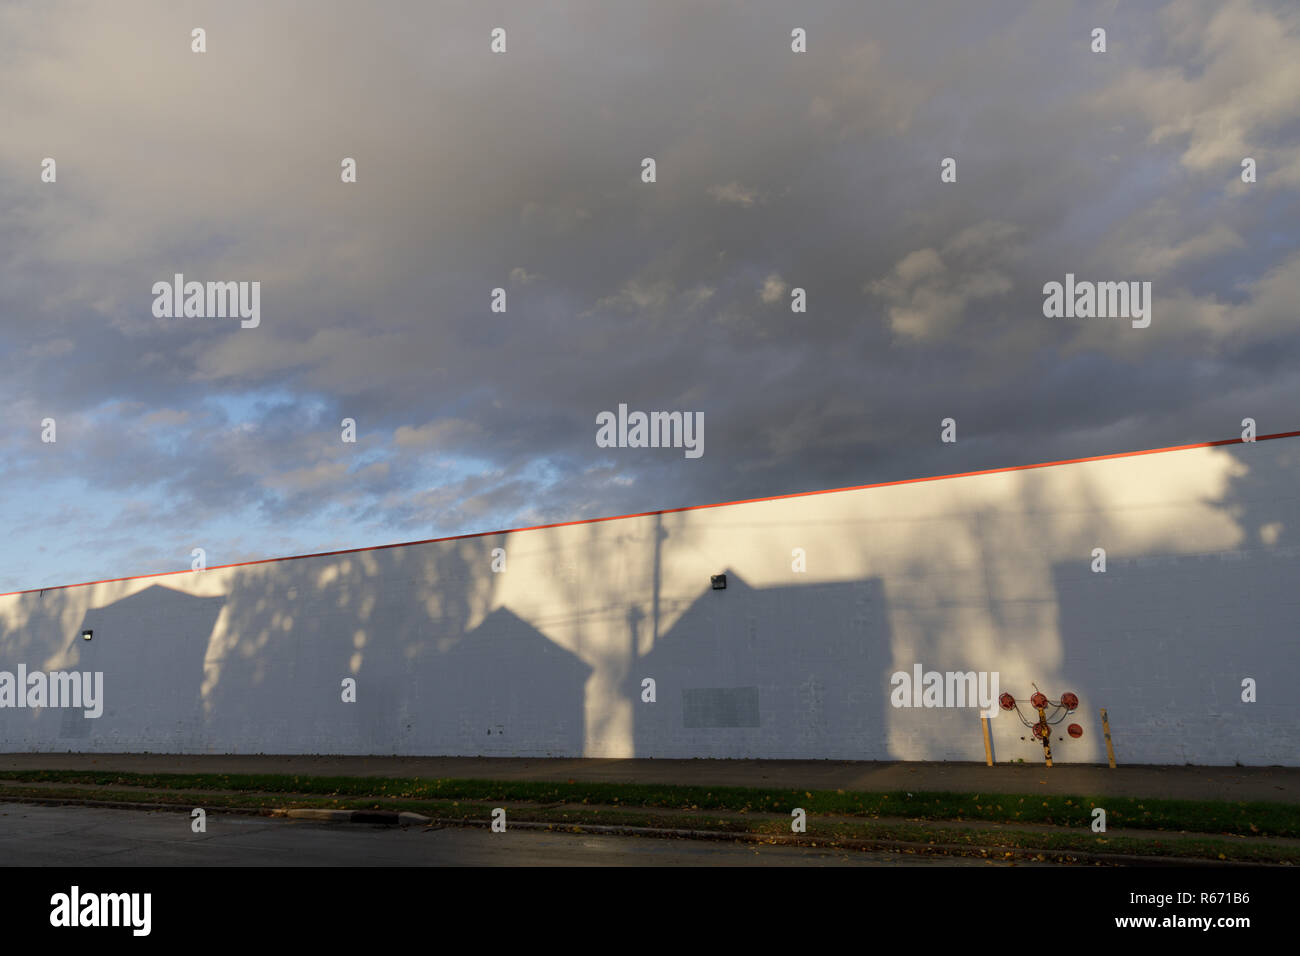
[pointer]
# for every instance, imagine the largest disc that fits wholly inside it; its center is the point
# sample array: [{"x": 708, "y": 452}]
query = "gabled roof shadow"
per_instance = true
[
  {"x": 745, "y": 667},
  {"x": 503, "y": 688},
  {"x": 150, "y": 647}
]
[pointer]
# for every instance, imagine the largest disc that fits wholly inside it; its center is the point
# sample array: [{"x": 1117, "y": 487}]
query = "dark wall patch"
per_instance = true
[{"x": 720, "y": 707}]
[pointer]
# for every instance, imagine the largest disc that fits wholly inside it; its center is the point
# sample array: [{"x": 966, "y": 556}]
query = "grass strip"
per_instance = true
[
  {"x": 1245, "y": 818},
  {"x": 984, "y": 842}
]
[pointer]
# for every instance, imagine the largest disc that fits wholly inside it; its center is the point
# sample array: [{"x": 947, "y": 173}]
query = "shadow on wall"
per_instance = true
[
  {"x": 781, "y": 672},
  {"x": 261, "y": 667},
  {"x": 509, "y": 688},
  {"x": 1170, "y": 638},
  {"x": 1167, "y": 640},
  {"x": 1268, "y": 516},
  {"x": 152, "y": 674},
  {"x": 435, "y": 671},
  {"x": 450, "y": 658}
]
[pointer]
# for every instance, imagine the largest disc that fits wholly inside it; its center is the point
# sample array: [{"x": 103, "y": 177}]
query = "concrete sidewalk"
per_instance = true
[{"x": 1273, "y": 784}]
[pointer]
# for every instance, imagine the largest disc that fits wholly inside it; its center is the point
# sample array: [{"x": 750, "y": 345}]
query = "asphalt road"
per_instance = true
[{"x": 33, "y": 835}]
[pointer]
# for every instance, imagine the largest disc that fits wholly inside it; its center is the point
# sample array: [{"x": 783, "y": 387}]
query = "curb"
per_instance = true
[
  {"x": 1026, "y": 854},
  {"x": 386, "y": 817}
]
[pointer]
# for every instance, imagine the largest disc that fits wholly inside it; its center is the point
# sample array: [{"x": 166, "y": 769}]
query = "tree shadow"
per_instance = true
[
  {"x": 1167, "y": 638},
  {"x": 547, "y": 658}
]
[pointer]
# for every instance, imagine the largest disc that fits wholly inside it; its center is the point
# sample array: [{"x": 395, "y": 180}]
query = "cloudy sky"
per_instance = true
[{"x": 522, "y": 170}]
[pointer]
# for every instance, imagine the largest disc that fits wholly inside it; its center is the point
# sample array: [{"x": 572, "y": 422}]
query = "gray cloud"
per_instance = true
[{"x": 775, "y": 170}]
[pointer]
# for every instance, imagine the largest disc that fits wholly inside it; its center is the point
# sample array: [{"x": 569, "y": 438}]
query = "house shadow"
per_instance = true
[
  {"x": 745, "y": 670},
  {"x": 432, "y": 670},
  {"x": 150, "y": 648},
  {"x": 502, "y": 689},
  {"x": 262, "y": 667}
]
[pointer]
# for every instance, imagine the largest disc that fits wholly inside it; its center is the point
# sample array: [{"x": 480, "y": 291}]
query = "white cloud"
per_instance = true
[
  {"x": 773, "y": 290},
  {"x": 735, "y": 193},
  {"x": 1237, "y": 78},
  {"x": 927, "y": 296}
]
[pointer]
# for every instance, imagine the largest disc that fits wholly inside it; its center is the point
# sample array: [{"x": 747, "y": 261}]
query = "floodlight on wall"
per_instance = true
[
  {"x": 719, "y": 582},
  {"x": 87, "y": 634}
]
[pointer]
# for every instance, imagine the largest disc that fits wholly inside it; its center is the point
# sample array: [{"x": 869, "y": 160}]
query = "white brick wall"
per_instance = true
[{"x": 985, "y": 572}]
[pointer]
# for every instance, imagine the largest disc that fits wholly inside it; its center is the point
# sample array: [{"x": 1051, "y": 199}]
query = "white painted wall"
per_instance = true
[{"x": 987, "y": 572}]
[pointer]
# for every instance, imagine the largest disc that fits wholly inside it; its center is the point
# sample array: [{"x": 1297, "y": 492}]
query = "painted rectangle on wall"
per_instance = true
[{"x": 720, "y": 707}]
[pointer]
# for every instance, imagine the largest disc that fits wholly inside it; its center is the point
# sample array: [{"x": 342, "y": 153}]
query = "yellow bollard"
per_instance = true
[{"x": 1110, "y": 751}]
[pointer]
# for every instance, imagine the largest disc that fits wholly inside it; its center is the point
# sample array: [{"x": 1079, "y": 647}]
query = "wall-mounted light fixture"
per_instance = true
[
  {"x": 87, "y": 634},
  {"x": 719, "y": 582}
]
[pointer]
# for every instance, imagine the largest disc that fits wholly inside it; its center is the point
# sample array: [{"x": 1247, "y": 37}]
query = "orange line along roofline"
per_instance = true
[{"x": 665, "y": 511}]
